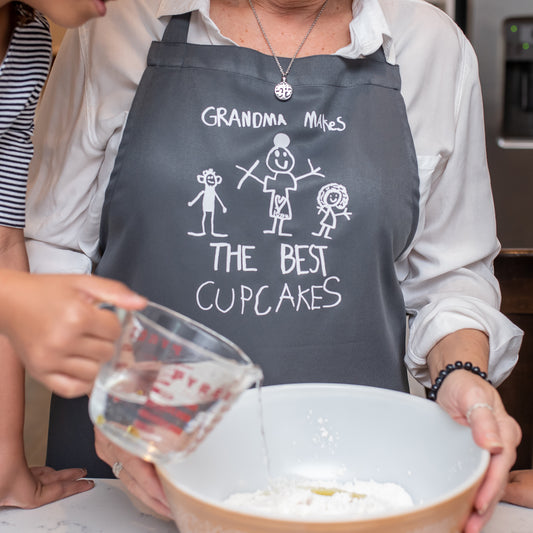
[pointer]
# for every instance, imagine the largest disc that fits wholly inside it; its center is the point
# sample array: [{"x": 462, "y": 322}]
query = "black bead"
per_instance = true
[{"x": 432, "y": 393}]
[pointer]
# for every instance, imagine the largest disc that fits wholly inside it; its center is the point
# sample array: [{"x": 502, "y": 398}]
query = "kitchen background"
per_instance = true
[
  {"x": 502, "y": 35},
  {"x": 501, "y": 32}
]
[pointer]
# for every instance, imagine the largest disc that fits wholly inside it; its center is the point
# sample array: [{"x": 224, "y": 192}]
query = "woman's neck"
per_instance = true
[
  {"x": 301, "y": 8},
  {"x": 285, "y": 22}
]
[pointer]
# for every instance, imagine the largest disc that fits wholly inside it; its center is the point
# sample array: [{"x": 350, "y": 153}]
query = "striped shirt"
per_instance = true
[{"x": 22, "y": 76}]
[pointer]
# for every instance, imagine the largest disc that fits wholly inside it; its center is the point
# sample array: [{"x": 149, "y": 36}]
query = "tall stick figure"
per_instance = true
[
  {"x": 332, "y": 200},
  {"x": 280, "y": 161},
  {"x": 210, "y": 180}
]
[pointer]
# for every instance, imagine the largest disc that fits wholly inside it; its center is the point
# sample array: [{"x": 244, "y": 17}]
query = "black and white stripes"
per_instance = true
[{"x": 22, "y": 77}]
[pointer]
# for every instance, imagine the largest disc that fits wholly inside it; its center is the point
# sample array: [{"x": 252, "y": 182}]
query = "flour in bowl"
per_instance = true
[{"x": 297, "y": 499}]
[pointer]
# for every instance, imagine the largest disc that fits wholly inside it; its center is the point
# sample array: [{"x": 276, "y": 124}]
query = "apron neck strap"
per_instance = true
[{"x": 177, "y": 29}]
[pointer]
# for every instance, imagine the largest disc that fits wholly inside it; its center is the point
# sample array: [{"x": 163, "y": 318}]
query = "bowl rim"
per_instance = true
[{"x": 474, "y": 479}]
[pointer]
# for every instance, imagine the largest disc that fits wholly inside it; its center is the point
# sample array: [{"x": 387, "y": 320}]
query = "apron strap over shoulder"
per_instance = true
[
  {"x": 177, "y": 29},
  {"x": 175, "y": 39}
]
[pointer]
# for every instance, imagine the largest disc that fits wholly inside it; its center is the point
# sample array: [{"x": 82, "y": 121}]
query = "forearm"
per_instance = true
[
  {"x": 20, "y": 485},
  {"x": 12, "y": 249},
  {"x": 463, "y": 345},
  {"x": 12, "y": 257},
  {"x": 11, "y": 405}
]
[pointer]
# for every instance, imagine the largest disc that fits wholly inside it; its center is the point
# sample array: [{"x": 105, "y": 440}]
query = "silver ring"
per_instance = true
[
  {"x": 117, "y": 469},
  {"x": 479, "y": 405}
]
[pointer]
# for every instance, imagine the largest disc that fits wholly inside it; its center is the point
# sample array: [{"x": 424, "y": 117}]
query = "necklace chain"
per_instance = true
[{"x": 285, "y": 73}]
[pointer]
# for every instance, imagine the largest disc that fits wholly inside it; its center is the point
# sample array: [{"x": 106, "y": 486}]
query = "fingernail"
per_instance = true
[{"x": 90, "y": 482}]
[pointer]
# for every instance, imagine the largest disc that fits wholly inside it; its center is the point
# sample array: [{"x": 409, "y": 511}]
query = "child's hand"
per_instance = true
[
  {"x": 519, "y": 490},
  {"x": 28, "y": 488},
  {"x": 57, "y": 329}
]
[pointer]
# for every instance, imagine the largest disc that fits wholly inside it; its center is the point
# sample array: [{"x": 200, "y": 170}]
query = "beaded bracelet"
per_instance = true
[{"x": 432, "y": 393}]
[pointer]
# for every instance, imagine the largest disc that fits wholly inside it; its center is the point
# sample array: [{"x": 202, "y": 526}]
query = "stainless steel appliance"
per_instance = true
[{"x": 501, "y": 32}]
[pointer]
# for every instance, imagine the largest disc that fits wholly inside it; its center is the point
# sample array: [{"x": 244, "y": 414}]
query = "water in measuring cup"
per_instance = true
[{"x": 162, "y": 412}]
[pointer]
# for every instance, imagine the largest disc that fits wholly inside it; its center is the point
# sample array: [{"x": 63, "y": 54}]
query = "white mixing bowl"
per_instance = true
[{"x": 332, "y": 432}]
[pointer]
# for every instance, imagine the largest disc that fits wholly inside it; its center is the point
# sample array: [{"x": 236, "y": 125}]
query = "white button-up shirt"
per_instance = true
[{"x": 446, "y": 274}]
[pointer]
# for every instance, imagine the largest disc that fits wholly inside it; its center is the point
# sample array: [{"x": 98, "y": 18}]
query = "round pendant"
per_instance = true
[{"x": 283, "y": 91}]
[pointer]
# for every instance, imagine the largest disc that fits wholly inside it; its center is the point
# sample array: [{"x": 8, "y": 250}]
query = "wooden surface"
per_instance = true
[{"x": 514, "y": 270}]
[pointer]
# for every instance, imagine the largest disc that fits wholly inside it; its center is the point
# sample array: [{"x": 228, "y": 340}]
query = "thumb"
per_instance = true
[
  {"x": 485, "y": 429},
  {"x": 110, "y": 291}
]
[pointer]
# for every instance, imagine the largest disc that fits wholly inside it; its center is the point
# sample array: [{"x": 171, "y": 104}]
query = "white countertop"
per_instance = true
[{"x": 108, "y": 509}]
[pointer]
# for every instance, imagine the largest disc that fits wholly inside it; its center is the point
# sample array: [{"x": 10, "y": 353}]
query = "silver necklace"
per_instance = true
[{"x": 283, "y": 89}]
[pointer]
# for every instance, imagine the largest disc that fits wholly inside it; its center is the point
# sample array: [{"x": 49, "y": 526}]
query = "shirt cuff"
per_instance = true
[
  {"x": 46, "y": 259},
  {"x": 437, "y": 320}
]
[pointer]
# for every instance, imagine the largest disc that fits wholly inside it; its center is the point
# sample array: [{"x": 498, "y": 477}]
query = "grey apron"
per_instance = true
[{"x": 275, "y": 223}]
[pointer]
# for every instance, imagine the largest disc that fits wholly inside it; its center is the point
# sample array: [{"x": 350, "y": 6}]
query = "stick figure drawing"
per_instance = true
[
  {"x": 280, "y": 161},
  {"x": 210, "y": 180},
  {"x": 332, "y": 200}
]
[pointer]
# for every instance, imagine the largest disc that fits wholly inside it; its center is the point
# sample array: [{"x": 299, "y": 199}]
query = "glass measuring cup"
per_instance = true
[{"x": 169, "y": 382}]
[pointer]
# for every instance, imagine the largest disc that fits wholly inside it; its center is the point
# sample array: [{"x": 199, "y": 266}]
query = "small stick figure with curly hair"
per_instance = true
[
  {"x": 331, "y": 200},
  {"x": 210, "y": 180}
]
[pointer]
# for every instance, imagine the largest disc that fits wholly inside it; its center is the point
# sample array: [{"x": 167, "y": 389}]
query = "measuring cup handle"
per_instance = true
[{"x": 121, "y": 313}]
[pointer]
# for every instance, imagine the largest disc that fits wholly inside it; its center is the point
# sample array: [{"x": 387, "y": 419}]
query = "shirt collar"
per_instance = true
[
  {"x": 177, "y": 7},
  {"x": 369, "y": 29}
]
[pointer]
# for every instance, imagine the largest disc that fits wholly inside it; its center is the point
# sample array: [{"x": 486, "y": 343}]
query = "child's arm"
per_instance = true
[
  {"x": 21, "y": 486},
  {"x": 13, "y": 249},
  {"x": 519, "y": 490}
]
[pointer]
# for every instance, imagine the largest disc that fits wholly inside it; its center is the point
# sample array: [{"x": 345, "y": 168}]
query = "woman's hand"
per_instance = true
[
  {"x": 519, "y": 490},
  {"x": 57, "y": 329},
  {"x": 28, "y": 488},
  {"x": 474, "y": 402},
  {"x": 139, "y": 476}
]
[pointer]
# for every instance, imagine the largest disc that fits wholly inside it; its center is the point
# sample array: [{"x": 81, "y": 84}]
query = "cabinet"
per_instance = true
[{"x": 514, "y": 270}]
